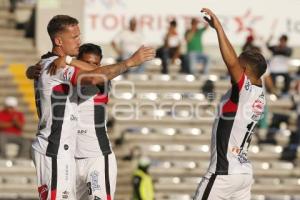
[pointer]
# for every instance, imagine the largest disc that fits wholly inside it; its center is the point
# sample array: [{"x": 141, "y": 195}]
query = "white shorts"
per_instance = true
[
  {"x": 224, "y": 187},
  {"x": 96, "y": 177},
  {"x": 55, "y": 176}
]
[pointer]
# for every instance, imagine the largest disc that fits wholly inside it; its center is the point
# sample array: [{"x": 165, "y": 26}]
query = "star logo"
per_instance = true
[{"x": 246, "y": 22}]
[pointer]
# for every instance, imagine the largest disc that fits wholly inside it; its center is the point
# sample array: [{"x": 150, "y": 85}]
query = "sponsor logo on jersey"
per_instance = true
[
  {"x": 247, "y": 85},
  {"x": 65, "y": 195},
  {"x": 81, "y": 132},
  {"x": 94, "y": 181}
]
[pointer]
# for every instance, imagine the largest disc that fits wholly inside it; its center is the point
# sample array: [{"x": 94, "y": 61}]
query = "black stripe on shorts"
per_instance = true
[
  {"x": 209, "y": 186},
  {"x": 107, "y": 181}
]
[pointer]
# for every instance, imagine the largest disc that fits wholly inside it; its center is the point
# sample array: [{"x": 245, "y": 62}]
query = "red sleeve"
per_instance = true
[{"x": 241, "y": 82}]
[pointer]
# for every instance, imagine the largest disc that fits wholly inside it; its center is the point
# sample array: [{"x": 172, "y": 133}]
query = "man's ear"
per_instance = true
[{"x": 58, "y": 41}]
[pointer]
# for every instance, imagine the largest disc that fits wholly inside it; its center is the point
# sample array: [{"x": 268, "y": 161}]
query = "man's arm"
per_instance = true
[
  {"x": 229, "y": 56},
  {"x": 101, "y": 75}
]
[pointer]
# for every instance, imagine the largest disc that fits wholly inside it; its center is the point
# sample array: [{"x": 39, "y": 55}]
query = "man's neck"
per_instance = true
[{"x": 58, "y": 51}]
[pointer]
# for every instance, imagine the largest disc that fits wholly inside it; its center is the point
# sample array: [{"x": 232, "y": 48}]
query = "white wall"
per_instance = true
[{"x": 104, "y": 18}]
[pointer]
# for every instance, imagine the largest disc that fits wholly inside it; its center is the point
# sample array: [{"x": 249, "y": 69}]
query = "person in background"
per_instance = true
[
  {"x": 142, "y": 181},
  {"x": 127, "y": 42},
  {"x": 194, "y": 42},
  {"x": 171, "y": 48},
  {"x": 11, "y": 128},
  {"x": 279, "y": 62}
]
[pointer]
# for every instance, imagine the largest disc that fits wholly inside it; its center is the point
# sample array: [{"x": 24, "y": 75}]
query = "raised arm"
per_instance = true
[
  {"x": 228, "y": 54},
  {"x": 101, "y": 75}
]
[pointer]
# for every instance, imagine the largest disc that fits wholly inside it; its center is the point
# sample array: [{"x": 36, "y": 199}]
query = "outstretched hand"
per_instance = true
[{"x": 142, "y": 55}]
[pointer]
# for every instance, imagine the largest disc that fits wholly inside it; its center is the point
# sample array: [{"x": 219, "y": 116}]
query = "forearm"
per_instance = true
[
  {"x": 82, "y": 65},
  {"x": 228, "y": 53},
  {"x": 103, "y": 74}
]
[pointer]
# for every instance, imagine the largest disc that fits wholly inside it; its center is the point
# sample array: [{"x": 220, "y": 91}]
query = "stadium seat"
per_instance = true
[
  {"x": 138, "y": 77},
  {"x": 282, "y": 165},
  {"x": 166, "y": 131},
  {"x": 258, "y": 197},
  {"x": 171, "y": 96},
  {"x": 174, "y": 148},
  {"x": 160, "y": 77},
  {"x": 268, "y": 181},
  {"x": 23, "y": 163},
  {"x": 192, "y": 180},
  {"x": 17, "y": 180},
  {"x": 148, "y": 96},
  {"x": 291, "y": 181},
  {"x": 179, "y": 197},
  {"x": 191, "y": 131},
  {"x": 169, "y": 180},
  {"x": 185, "y": 77},
  {"x": 195, "y": 96},
  {"x": 279, "y": 197},
  {"x": 184, "y": 164}
]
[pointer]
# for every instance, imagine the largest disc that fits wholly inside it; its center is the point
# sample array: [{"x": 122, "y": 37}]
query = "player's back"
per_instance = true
[
  {"x": 239, "y": 111},
  {"x": 56, "y": 102}
]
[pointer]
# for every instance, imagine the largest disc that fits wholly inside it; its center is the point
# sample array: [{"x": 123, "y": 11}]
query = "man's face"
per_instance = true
[
  {"x": 69, "y": 40},
  {"x": 91, "y": 59}
]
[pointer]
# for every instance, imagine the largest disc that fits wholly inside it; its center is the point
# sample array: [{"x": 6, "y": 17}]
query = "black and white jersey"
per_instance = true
[
  {"x": 239, "y": 111},
  {"x": 92, "y": 138},
  {"x": 56, "y": 102}
]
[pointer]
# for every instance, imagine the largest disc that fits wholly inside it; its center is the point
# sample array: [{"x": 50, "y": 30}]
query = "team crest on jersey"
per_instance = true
[
  {"x": 258, "y": 105},
  {"x": 68, "y": 74}
]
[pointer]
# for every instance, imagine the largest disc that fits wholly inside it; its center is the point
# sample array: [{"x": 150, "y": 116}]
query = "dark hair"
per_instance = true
[
  {"x": 173, "y": 23},
  {"x": 58, "y": 23},
  {"x": 90, "y": 48},
  {"x": 194, "y": 20},
  {"x": 255, "y": 60},
  {"x": 284, "y": 37}
]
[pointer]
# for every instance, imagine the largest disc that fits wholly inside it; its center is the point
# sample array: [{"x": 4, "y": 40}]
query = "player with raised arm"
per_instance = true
[
  {"x": 229, "y": 174},
  {"x": 57, "y": 104}
]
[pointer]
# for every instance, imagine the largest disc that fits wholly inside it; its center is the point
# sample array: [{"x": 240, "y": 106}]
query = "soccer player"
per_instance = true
[
  {"x": 229, "y": 174},
  {"x": 56, "y": 99},
  {"x": 95, "y": 161}
]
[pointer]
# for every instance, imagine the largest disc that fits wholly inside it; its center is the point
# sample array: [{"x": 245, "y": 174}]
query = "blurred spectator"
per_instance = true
[
  {"x": 12, "y": 5},
  {"x": 290, "y": 151},
  {"x": 11, "y": 126},
  {"x": 127, "y": 42},
  {"x": 142, "y": 181},
  {"x": 195, "y": 53},
  {"x": 171, "y": 48},
  {"x": 279, "y": 62}
]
